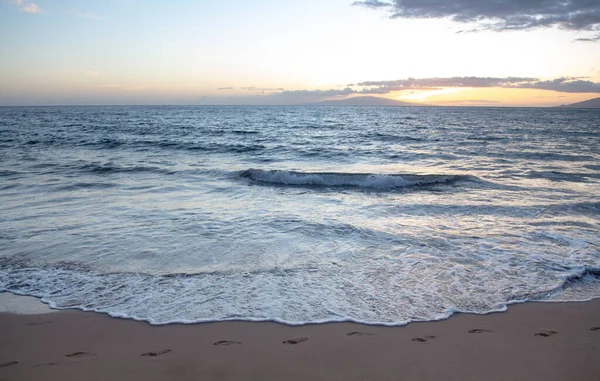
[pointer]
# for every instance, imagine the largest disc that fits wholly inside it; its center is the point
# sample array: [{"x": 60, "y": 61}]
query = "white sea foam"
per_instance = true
[{"x": 382, "y": 291}]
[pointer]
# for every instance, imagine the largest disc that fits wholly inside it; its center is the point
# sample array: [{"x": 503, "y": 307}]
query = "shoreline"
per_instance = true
[
  {"x": 24, "y": 304},
  {"x": 530, "y": 341}
]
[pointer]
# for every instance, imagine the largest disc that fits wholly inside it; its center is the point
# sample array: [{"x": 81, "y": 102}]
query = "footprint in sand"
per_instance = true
[
  {"x": 476, "y": 330},
  {"x": 295, "y": 341},
  {"x": 546, "y": 333},
  {"x": 595, "y": 329},
  {"x": 81, "y": 354},
  {"x": 46, "y": 364},
  {"x": 225, "y": 342},
  {"x": 423, "y": 339},
  {"x": 359, "y": 334},
  {"x": 154, "y": 354},
  {"x": 10, "y": 363}
]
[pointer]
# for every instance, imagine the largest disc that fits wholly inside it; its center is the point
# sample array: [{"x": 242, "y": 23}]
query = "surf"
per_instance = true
[{"x": 342, "y": 179}]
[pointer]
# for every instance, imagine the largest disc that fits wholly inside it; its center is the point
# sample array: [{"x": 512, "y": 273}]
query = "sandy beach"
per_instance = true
[
  {"x": 534, "y": 341},
  {"x": 327, "y": 190}
]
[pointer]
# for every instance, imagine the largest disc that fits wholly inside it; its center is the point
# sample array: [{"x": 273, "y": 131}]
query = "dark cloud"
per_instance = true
[
  {"x": 563, "y": 85},
  {"x": 384, "y": 87},
  {"x": 252, "y": 88},
  {"x": 500, "y": 15},
  {"x": 279, "y": 96},
  {"x": 373, "y": 4},
  {"x": 589, "y": 39}
]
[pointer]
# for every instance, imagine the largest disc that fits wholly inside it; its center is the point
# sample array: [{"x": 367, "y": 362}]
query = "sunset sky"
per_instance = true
[{"x": 502, "y": 53}]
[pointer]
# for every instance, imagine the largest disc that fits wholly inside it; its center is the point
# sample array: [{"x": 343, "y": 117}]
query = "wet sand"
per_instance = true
[{"x": 534, "y": 341}]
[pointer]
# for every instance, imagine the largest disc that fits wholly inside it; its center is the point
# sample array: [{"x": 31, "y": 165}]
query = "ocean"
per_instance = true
[{"x": 300, "y": 214}]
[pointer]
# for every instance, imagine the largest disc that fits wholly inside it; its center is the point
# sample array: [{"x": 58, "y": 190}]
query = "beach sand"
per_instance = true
[{"x": 534, "y": 341}]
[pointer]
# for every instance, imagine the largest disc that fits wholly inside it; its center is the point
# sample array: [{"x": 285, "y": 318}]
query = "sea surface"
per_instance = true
[{"x": 380, "y": 215}]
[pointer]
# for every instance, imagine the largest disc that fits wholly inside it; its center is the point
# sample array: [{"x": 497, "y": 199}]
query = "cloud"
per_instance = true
[
  {"x": 29, "y": 8},
  {"x": 121, "y": 87},
  {"x": 589, "y": 39},
  {"x": 410, "y": 85},
  {"x": 252, "y": 88},
  {"x": 373, "y": 4},
  {"x": 320, "y": 93},
  {"x": 279, "y": 96},
  {"x": 563, "y": 85},
  {"x": 89, "y": 15},
  {"x": 499, "y": 15},
  {"x": 384, "y": 87}
]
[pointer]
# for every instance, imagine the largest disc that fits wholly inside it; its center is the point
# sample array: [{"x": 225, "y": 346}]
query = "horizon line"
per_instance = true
[{"x": 315, "y": 104}]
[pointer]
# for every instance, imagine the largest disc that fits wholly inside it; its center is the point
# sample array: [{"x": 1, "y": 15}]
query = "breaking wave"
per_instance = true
[
  {"x": 362, "y": 180},
  {"x": 292, "y": 296}
]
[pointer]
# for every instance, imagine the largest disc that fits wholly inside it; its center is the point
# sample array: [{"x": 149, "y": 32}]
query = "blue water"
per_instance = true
[{"x": 299, "y": 214}]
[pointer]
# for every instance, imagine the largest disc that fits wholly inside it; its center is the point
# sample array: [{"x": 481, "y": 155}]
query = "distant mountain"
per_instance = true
[
  {"x": 591, "y": 103},
  {"x": 365, "y": 101}
]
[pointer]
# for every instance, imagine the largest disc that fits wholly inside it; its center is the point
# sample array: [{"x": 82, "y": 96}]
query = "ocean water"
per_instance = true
[{"x": 381, "y": 215}]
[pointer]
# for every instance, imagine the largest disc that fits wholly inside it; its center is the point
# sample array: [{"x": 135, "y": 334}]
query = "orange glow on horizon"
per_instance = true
[{"x": 492, "y": 97}]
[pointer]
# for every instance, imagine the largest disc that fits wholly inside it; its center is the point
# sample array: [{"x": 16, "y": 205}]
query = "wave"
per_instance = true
[
  {"x": 294, "y": 296},
  {"x": 340, "y": 179},
  {"x": 561, "y": 176},
  {"x": 109, "y": 168},
  {"x": 582, "y": 285},
  {"x": 86, "y": 185},
  {"x": 586, "y": 272},
  {"x": 8, "y": 172}
]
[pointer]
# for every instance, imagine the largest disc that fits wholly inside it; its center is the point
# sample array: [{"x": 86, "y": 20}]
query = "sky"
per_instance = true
[{"x": 438, "y": 52}]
